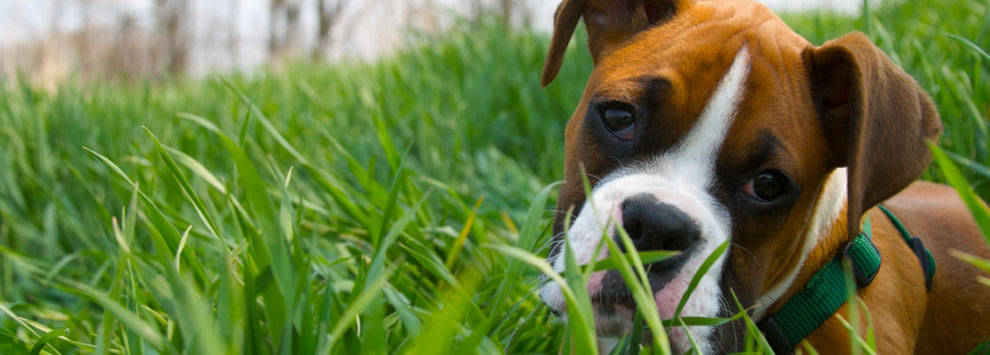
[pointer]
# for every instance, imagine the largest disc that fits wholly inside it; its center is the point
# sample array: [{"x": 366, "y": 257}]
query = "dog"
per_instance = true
[{"x": 712, "y": 121}]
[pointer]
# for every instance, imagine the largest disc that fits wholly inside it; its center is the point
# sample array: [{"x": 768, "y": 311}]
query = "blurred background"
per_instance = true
[{"x": 49, "y": 41}]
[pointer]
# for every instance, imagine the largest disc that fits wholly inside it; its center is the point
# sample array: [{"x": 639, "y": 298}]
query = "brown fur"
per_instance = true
[
  {"x": 842, "y": 104},
  {"x": 949, "y": 319}
]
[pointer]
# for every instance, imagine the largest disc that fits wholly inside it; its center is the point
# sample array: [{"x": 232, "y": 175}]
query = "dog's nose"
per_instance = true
[{"x": 655, "y": 225}]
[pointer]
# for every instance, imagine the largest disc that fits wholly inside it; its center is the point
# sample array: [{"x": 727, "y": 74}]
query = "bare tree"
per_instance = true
[
  {"x": 505, "y": 8},
  {"x": 274, "y": 16},
  {"x": 170, "y": 17},
  {"x": 284, "y": 28},
  {"x": 233, "y": 31},
  {"x": 329, "y": 12},
  {"x": 524, "y": 13},
  {"x": 51, "y": 69},
  {"x": 476, "y": 9},
  {"x": 507, "y": 11}
]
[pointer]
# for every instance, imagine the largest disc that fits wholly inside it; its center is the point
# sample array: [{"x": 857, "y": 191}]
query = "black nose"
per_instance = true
[{"x": 654, "y": 225}]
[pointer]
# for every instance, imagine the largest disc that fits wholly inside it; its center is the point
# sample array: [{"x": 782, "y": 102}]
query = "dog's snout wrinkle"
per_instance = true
[{"x": 655, "y": 225}]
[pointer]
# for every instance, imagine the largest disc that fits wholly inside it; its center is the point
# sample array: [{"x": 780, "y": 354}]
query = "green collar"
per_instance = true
[{"x": 826, "y": 291}]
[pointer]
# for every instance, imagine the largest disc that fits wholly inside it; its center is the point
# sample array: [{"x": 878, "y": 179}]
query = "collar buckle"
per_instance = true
[{"x": 865, "y": 258}]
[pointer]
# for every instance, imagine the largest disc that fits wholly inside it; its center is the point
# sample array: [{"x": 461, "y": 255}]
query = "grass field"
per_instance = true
[{"x": 355, "y": 208}]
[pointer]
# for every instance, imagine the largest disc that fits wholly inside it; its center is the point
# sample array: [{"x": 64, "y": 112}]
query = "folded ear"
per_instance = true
[
  {"x": 609, "y": 22},
  {"x": 875, "y": 117}
]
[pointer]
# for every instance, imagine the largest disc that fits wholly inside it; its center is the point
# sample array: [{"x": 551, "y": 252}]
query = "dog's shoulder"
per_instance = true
[{"x": 936, "y": 214}]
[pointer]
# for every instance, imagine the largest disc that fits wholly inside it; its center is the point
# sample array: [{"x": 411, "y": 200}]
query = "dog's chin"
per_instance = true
[
  {"x": 614, "y": 319},
  {"x": 615, "y": 307}
]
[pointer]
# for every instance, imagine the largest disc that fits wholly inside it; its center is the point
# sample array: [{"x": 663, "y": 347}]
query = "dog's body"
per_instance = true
[
  {"x": 953, "y": 317},
  {"x": 712, "y": 121}
]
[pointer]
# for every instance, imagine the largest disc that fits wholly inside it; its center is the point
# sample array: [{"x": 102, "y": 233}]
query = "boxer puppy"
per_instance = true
[{"x": 708, "y": 121}]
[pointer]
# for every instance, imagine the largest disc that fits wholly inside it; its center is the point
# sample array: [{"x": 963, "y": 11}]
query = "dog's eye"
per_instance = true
[
  {"x": 766, "y": 187},
  {"x": 620, "y": 121}
]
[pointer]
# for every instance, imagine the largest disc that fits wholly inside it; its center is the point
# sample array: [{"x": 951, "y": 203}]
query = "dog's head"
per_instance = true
[{"x": 712, "y": 121}]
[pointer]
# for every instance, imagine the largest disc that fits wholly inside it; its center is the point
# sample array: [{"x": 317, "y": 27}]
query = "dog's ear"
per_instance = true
[
  {"x": 609, "y": 22},
  {"x": 875, "y": 117}
]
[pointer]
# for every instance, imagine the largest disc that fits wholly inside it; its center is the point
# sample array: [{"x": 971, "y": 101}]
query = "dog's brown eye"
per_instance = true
[
  {"x": 621, "y": 122},
  {"x": 766, "y": 187}
]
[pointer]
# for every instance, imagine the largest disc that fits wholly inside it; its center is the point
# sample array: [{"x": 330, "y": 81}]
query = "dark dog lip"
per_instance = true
[
  {"x": 614, "y": 291},
  {"x": 615, "y": 295}
]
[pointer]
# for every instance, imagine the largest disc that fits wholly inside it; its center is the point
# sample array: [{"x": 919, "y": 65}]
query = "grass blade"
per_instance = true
[
  {"x": 955, "y": 178},
  {"x": 702, "y": 271},
  {"x": 45, "y": 339}
]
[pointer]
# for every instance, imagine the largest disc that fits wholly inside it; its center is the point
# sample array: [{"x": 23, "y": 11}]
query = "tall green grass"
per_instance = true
[
  {"x": 320, "y": 209},
  {"x": 357, "y": 208}
]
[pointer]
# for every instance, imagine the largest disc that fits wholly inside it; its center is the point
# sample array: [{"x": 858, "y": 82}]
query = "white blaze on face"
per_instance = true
[{"x": 680, "y": 177}]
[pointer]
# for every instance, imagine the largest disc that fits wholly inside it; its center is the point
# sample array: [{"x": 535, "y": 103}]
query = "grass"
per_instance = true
[{"x": 358, "y": 208}]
